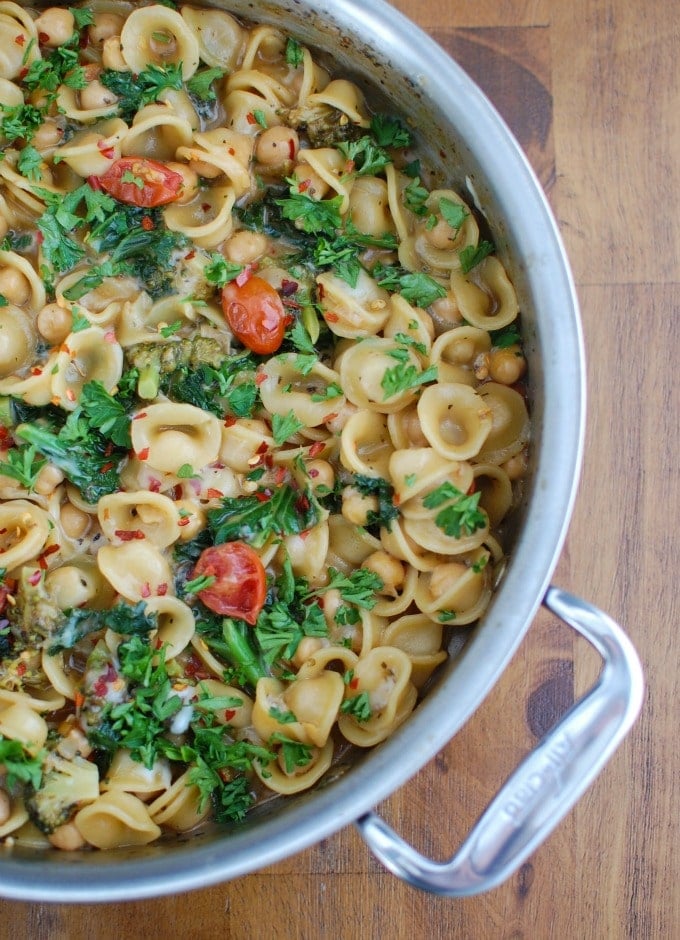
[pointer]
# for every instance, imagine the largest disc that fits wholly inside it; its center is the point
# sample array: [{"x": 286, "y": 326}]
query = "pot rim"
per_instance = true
[{"x": 559, "y": 372}]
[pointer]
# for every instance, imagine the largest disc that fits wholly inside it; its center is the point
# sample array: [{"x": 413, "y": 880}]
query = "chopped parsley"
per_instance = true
[
  {"x": 471, "y": 256},
  {"x": 387, "y": 512},
  {"x": 415, "y": 286},
  {"x": 389, "y": 131},
  {"x": 269, "y": 512},
  {"x": 23, "y": 465},
  {"x": 136, "y": 91},
  {"x": 459, "y": 514},
  {"x": 201, "y": 83},
  {"x": 359, "y": 707},
  {"x": 284, "y": 427},
  {"x": 294, "y": 53}
]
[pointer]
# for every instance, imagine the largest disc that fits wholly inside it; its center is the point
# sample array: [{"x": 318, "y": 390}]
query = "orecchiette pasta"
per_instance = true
[{"x": 262, "y": 414}]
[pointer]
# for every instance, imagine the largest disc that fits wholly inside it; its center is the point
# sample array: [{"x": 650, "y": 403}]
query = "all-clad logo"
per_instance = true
[{"x": 545, "y": 775}]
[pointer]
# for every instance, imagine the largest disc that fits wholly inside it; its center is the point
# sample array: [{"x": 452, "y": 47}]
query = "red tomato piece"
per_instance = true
[
  {"x": 239, "y": 589},
  {"x": 255, "y": 313},
  {"x": 139, "y": 181}
]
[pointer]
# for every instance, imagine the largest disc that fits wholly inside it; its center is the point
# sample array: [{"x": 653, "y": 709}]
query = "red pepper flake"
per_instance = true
[
  {"x": 106, "y": 150},
  {"x": 229, "y": 714},
  {"x": 316, "y": 449},
  {"x": 35, "y": 578},
  {"x": 330, "y": 417},
  {"x": 145, "y": 589},
  {"x": 288, "y": 287},
  {"x": 260, "y": 377},
  {"x": 39, "y": 238},
  {"x": 303, "y": 185},
  {"x": 147, "y": 223},
  {"x": 100, "y": 687},
  {"x": 194, "y": 668},
  {"x": 263, "y": 496},
  {"x": 23, "y": 73},
  {"x": 70, "y": 394},
  {"x": 142, "y": 414},
  {"x": 263, "y": 448},
  {"x": 313, "y": 473},
  {"x": 109, "y": 449},
  {"x": 185, "y": 520},
  {"x": 21, "y": 669},
  {"x": 162, "y": 589},
  {"x": 21, "y": 39},
  {"x": 189, "y": 255},
  {"x": 128, "y": 535},
  {"x": 291, "y": 148},
  {"x": 214, "y": 494},
  {"x": 108, "y": 466},
  {"x": 206, "y": 207},
  {"x": 3, "y": 531},
  {"x": 244, "y": 276},
  {"x": 78, "y": 700},
  {"x": 143, "y": 454},
  {"x": 472, "y": 488},
  {"x": 50, "y": 550},
  {"x": 304, "y": 534},
  {"x": 154, "y": 485},
  {"x": 302, "y": 503},
  {"x": 354, "y": 683},
  {"x": 331, "y": 317},
  {"x": 250, "y": 118},
  {"x": 231, "y": 151},
  {"x": 229, "y": 421},
  {"x": 280, "y": 475}
]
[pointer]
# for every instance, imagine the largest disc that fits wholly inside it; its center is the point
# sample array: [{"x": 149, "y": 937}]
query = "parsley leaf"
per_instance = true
[
  {"x": 358, "y": 588},
  {"x": 21, "y": 767},
  {"x": 311, "y": 215},
  {"x": 404, "y": 376},
  {"x": 29, "y": 163},
  {"x": 23, "y": 465},
  {"x": 415, "y": 197},
  {"x": 136, "y": 91},
  {"x": 390, "y": 132},
  {"x": 285, "y": 426},
  {"x": 387, "y": 512},
  {"x": 460, "y": 515},
  {"x": 126, "y": 619},
  {"x": 454, "y": 213},
  {"x": 294, "y": 53},
  {"x": 19, "y": 121},
  {"x": 472, "y": 255},
  {"x": 106, "y": 413},
  {"x": 366, "y": 157},
  {"x": 359, "y": 707},
  {"x": 201, "y": 83},
  {"x": 415, "y": 286},
  {"x": 219, "y": 271}
]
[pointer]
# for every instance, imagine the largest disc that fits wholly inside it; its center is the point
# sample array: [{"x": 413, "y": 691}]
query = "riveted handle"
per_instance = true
[{"x": 547, "y": 783}]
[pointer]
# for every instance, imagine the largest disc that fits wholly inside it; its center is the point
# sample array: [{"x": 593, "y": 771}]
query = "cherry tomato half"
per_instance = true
[
  {"x": 255, "y": 313},
  {"x": 142, "y": 182},
  {"x": 240, "y": 586}
]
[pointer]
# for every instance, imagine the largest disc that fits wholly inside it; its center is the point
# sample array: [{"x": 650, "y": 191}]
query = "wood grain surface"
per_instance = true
[{"x": 592, "y": 90}]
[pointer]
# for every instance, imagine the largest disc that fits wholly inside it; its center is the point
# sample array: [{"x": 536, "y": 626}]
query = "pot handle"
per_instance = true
[{"x": 547, "y": 783}]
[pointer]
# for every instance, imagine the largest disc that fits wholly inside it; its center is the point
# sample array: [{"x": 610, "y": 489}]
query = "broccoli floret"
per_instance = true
[
  {"x": 153, "y": 360},
  {"x": 34, "y": 616},
  {"x": 66, "y": 784},
  {"x": 325, "y": 126},
  {"x": 84, "y": 461}
]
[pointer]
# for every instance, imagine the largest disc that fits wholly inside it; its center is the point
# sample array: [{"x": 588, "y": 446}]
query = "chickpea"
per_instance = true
[
  {"x": 74, "y": 521},
  {"x": 96, "y": 96},
  {"x": 14, "y": 286},
  {"x": 5, "y": 807},
  {"x": 54, "y": 323},
  {"x": 48, "y": 135},
  {"x": 356, "y": 506},
  {"x": 244, "y": 247},
  {"x": 67, "y": 838},
  {"x": 105, "y": 26},
  {"x": 73, "y": 743},
  {"x": 462, "y": 351},
  {"x": 322, "y": 475},
  {"x": 310, "y": 180},
  {"x": 445, "y": 312},
  {"x": 277, "y": 146},
  {"x": 443, "y": 575},
  {"x": 48, "y": 480},
  {"x": 189, "y": 180},
  {"x": 388, "y": 568},
  {"x": 441, "y": 235},
  {"x": 55, "y": 26},
  {"x": 516, "y": 466},
  {"x": 112, "y": 54},
  {"x": 507, "y": 365}
]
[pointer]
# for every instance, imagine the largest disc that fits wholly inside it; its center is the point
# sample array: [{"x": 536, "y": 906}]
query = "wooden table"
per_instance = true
[{"x": 591, "y": 88}]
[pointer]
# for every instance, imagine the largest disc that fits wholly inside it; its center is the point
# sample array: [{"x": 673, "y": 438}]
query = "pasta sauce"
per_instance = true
[{"x": 262, "y": 417}]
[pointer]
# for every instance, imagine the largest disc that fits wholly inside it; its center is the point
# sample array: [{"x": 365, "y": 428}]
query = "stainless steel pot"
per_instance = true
[{"x": 468, "y": 141}]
